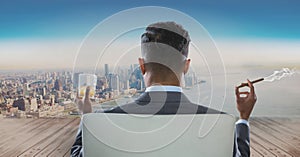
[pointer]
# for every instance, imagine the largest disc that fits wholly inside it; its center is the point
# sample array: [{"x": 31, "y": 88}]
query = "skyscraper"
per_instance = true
[
  {"x": 106, "y": 69},
  {"x": 58, "y": 85},
  {"x": 114, "y": 82},
  {"x": 76, "y": 80}
]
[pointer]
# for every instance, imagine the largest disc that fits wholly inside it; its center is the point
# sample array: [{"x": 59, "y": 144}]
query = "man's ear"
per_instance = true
[
  {"x": 142, "y": 65},
  {"x": 186, "y": 66}
]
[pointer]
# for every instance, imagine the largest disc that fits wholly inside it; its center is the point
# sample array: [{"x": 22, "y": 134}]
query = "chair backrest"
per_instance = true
[{"x": 127, "y": 135}]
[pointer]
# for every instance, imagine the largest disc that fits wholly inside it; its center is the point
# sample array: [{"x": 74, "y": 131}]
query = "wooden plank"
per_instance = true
[
  {"x": 13, "y": 135},
  {"x": 8, "y": 125},
  {"x": 279, "y": 125},
  {"x": 65, "y": 146},
  {"x": 66, "y": 136},
  {"x": 291, "y": 123},
  {"x": 267, "y": 145},
  {"x": 280, "y": 138},
  {"x": 254, "y": 153},
  {"x": 10, "y": 122},
  {"x": 24, "y": 141},
  {"x": 288, "y": 135},
  {"x": 260, "y": 148},
  {"x": 270, "y": 141},
  {"x": 67, "y": 154},
  {"x": 48, "y": 139}
]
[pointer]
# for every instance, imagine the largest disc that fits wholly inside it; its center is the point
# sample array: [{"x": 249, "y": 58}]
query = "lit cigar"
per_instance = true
[{"x": 246, "y": 84}]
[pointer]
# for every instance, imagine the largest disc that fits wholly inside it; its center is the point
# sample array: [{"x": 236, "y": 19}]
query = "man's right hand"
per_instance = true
[
  {"x": 245, "y": 104},
  {"x": 85, "y": 105}
]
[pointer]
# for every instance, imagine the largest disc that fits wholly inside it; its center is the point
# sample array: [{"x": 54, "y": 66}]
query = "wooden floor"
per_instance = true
[{"x": 270, "y": 137}]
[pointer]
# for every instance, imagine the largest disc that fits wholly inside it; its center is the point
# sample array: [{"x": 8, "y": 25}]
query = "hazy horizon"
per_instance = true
[
  {"x": 57, "y": 55},
  {"x": 47, "y": 35}
]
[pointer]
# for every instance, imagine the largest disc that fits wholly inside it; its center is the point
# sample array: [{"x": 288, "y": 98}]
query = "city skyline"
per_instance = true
[{"x": 54, "y": 94}]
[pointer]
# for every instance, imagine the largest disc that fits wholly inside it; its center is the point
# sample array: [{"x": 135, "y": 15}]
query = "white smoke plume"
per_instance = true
[{"x": 277, "y": 75}]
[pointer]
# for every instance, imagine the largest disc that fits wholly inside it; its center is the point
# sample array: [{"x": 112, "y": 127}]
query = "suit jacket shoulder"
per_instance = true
[{"x": 162, "y": 103}]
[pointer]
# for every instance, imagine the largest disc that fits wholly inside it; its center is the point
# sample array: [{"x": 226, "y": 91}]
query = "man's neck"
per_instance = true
[
  {"x": 151, "y": 80},
  {"x": 165, "y": 84},
  {"x": 163, "y": 88}
]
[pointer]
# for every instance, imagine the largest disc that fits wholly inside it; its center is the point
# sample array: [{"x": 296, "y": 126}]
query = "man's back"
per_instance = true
[
  {"x": 169, "y": 103},
  {"x": 161, "y": 102}
]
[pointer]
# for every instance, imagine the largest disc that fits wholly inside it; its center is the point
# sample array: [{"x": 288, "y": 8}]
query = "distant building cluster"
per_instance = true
[
  {"x": 114, "y": 83},
  {"x": 47, "y": 94},
  {"x": 35, "y": 94},
  {"x": 52, "y": 94}
]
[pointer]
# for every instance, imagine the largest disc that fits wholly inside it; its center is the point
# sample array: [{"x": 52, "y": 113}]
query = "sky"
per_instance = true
[{"x": 47, "y": 34}]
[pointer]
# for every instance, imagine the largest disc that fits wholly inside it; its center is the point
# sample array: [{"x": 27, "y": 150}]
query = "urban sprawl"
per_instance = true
[{"x": 53, "y": 94}]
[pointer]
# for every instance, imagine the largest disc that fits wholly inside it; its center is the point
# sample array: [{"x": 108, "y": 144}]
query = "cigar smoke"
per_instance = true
[{"x": 277, "y": 75}]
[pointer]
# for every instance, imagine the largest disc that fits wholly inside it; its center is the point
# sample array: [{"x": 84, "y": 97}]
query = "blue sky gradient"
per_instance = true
[
  {"x": 279, "y": 19},
  {"x": 37, "y": 34}
]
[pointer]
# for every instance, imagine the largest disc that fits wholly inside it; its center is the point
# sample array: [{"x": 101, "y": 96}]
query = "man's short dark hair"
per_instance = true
[
  {"x": 169, "y": 33},
  {"x": 164, "y": 49}
]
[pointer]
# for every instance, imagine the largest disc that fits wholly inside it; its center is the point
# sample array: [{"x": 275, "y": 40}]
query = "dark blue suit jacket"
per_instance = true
[{"x": 171, "y": 103}]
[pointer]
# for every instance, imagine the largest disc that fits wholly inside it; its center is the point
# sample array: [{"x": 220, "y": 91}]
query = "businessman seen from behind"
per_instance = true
[{"x": 164, "y": 62}]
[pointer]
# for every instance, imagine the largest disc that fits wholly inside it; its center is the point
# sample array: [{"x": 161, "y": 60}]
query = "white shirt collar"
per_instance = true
[{"x": 163, "y": 89}]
